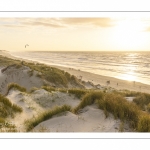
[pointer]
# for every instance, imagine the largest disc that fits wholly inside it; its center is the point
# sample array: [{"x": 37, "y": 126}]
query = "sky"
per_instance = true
[{"x": 75, "y": 34}]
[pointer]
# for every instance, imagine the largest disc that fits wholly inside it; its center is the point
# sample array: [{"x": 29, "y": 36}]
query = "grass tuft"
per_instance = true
[
  {"x": 120, "y": 108},
  {"x": 78, "y": 92},
  {"x": 48, "y": 88},
  {"x": 15, "y": 86},
  {"x": 88, "y": 99},
  {"x": 144, "y": 123},
  {"x": 30, "y": 124},
  {"x": 142, "y": 100},
  {"x": 7, "y": 108}
]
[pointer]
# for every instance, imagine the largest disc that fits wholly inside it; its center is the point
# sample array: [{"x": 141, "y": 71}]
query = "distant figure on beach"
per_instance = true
[
  {"x": 108, "y": 82},
  {"x": 81, "y": 77},
  {"x": 134, "y": 83},
  {"x": 117, "y": 84}
]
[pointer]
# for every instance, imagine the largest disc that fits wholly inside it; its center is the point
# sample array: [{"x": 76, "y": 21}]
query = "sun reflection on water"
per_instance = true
[{"x": 130, "y": 75}]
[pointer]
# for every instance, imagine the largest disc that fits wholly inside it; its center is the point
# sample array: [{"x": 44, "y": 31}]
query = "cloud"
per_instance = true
[
  {"x": 101, "y": 22},
  {"x": 46, "y": 24},
  {"x": 25, "y": 22},
  {"x": 56, "y": 22},
  {"x": 13, "y": 26}
]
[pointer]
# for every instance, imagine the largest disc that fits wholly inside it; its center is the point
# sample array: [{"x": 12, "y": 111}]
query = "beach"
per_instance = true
[
  {"x": 96, "y": 79},
  {"x": 38, "y": 99}
]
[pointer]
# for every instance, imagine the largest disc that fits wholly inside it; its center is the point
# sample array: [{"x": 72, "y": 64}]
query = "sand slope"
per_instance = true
[
  {"x": 36, "y": 103},
  {"x": 20, "y": 76},
  {"x": 91, "y": 120}
]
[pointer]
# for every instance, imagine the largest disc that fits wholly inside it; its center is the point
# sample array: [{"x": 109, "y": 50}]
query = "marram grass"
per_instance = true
[
  {"x": 88, "y": 99},
  {"x": 15, "y": 86},
  {"x": 30, "y": 124},
  {"x": 7, "y": 109},
  {"x": 48, "y": 88},
  {"x": 78, "y": 92}
]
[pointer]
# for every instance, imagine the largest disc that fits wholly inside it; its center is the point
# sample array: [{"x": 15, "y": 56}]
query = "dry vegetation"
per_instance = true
[
  {"x": 7, "y": 109},
  {"x": 30, "y": 124},
  {"x": 15, "y": 86}
]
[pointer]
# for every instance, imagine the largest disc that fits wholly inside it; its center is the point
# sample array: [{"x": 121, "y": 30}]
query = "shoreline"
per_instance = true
[{"x": 116, "y": 83}]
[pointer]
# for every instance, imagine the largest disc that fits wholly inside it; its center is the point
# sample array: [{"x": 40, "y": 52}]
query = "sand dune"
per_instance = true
[
  {"x": 20, "y": 76},
  {"x": 91, "y": 119}
]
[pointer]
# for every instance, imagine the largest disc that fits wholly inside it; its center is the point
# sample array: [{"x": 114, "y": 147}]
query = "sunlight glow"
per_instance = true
[
  {"x": 130, "y": 74},
  {"x": 129, "y": 34},
  {"x": 129, "y": 77}
]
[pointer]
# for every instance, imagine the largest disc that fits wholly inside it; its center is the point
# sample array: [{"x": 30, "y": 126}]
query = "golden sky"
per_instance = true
[{"x": 71, "y": 34}]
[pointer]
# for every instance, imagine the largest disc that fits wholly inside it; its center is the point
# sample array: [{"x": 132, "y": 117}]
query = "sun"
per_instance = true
[{"x": 128, "y": 34}]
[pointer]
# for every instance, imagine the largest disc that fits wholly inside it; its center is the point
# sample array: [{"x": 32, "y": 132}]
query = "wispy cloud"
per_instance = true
[
  {"x": 46, "y": 24},
  {"x": 101, "y": 22},
  {"x": 55, "y": 22}
]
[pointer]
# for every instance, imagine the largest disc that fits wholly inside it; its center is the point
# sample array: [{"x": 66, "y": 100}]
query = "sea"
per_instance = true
[{"x": 131, "y": 66}]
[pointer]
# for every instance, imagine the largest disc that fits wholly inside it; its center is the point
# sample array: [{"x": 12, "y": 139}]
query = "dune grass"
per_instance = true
[
  {"x": 51, "y": 74},
  {"x": 33, "y": 89},
  {"x": 117, "y": 105},
  {"x": 78, "y": 92},
  {"x": 120, "y": 108},
  {"x": 125, "y": 111},
  {"x": 142, "y": 100},
  {"x": 7, "y": 109},
  {"x": 5, "y": 61},
  {"x": 144, "y": 123},
  {"x": 54, "y": 75},
  {"x": 15, "y": 86},
  {"x": 63, "y": 90},
  {"x": 48, "y": 88},
  {"x": 88, "y": 99},
  {"x": 30, "y": 124},
  {"x": 148, "y": 107},
  {"x": 128, "y": 93}
]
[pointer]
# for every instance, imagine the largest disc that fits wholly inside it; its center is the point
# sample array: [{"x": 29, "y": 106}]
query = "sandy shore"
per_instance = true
[{"x": 99, "y": 79}]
